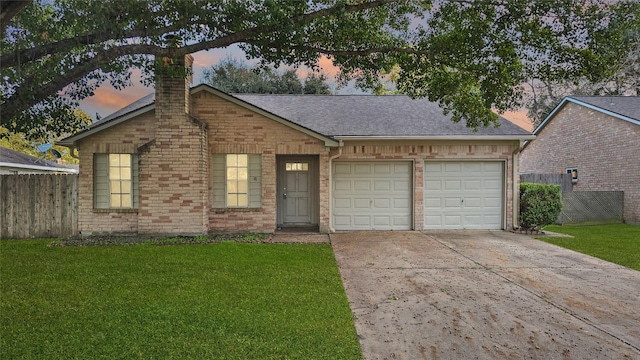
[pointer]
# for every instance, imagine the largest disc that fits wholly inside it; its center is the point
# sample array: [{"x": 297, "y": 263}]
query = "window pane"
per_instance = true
[
  {"x": 232, "y": 200},
  {"x": 125, "y": 187},
  {"x": 242, "y": 174},
  {"x": 288, "y": 167},
  {"x": 305, "y": 166},
  {"x": 242, "y": 160},
  {"x": 232, "y": 173},
  {"x": 232, "y": 187},
  {"x": 114, "y": 173},
  {"x": 242, "y": 200},
  {"x": 115, "y": 187},
  {"x": 126, "y": 201},
  {"x": 243, "y": 186},
  {"x": 232, "y": 160},
  {"x": 114, "y": 160},
  {"x": 125, "y": 173},
  {"x": 115, "y": 200},
  {"x": 125, "y": 160}
]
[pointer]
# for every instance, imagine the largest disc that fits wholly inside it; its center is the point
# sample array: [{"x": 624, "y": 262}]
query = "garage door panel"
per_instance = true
[
  {"x": 361, "y": 203},
  {"x": 342, "y": 203},
  {"x": 362, "y": 221},
  {"x": 432, "y": 203},
  {"x": 433, "y": 185},
  {"x": 382, "y": 169},
  {"x": 382, "y": 185},
  {"x": 382, "y": 221},
  {"x": 342, "y": 185},
  {"x": 454, "y": 185},
  {"x": 379, "y": 195},
  {"x": 341, "y": 169},
  {"x": 401, "y": 203},
  {"x": 382, "y": 203},
  {"x": 452, "y": 203},
  {"x": 463, "y": 195}
]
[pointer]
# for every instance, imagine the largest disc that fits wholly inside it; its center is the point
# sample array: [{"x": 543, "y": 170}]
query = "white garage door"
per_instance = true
[
  {"x": 463, "y": 195},
  {"x": 372, "y": 195}
]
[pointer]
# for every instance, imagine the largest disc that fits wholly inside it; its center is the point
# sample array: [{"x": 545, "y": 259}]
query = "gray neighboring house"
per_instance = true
[
  {"x": 597, "y": 138},
  {"x": 15, "y": 162}
]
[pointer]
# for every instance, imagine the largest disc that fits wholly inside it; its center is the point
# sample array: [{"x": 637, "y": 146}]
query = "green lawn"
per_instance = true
[
  {"x": 617, "y": 243},
  {"x": 214, "y": 301}
]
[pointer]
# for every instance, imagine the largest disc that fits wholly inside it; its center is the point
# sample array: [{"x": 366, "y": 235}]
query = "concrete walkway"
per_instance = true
[{"x": 485, "y": 295}]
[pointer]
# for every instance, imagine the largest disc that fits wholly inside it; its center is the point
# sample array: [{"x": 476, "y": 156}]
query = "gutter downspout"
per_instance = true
[
  {"x": 515, "y": 182},
  {"x": 331, "y": 158},
  {"x": 72, "y": 150}
]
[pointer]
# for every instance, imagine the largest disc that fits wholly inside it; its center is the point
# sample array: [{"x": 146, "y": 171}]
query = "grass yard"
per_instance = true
[
  {"x": 214, "y": 301},
  {"x": 617, "y": 243}
]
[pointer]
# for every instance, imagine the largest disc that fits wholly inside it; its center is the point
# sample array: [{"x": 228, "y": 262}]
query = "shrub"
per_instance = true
[{"x": 540, "y": 205}]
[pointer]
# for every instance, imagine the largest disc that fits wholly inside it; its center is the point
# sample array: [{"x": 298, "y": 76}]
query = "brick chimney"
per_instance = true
[{"x": 173, "y": 167}]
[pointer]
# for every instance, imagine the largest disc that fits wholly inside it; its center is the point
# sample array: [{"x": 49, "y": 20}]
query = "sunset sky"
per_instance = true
[{"x": 107, "y": 99}]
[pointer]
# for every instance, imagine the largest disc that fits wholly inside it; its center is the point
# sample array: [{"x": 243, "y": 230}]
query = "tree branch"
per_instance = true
[
  {"x": 21, "y": 57},
  {"x": 25, "y": 97}
]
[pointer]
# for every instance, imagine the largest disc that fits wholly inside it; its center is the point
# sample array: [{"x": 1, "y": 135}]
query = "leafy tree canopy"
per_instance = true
[
  {"x": 234, "y": 76},
  {"x": 470, "y": 55},
  {"x": 26, "y": 143},
  {"x": 543, "y": 96}
]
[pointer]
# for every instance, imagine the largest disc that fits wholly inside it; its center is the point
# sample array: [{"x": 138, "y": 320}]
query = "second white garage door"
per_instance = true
[
  {"x": 463, "y": 195},
  {"x": 372, "y": 195}
]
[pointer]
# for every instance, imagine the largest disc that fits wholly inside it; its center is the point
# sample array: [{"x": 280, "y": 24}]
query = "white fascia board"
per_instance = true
[
  {"x": 38, "y": 167},
  {"x": 70, "y": 141},
  {"x": 440, "y": 137}
]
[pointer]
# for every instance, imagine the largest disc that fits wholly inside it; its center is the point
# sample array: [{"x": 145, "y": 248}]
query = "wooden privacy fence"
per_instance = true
[
  {"x": 580, "y": 207},
  {"x": 38, "y": 205},
  {"x": 564, "y": 180}
]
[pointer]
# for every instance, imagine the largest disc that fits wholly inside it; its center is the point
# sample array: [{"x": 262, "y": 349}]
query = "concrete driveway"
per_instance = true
[{"x": 485, "y": 295}]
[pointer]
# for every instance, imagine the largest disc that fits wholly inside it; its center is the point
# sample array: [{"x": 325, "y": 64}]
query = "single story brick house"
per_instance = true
[
  {"x": 193, "y": 160},
  {"x": 597, "y": 138}
]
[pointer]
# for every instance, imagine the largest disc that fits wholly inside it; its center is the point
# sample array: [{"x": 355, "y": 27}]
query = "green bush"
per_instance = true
[{"x": 540, "y": 205}]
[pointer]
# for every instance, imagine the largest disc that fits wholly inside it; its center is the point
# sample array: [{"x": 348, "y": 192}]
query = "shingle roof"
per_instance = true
[
  {"x": 138, "y": 104},
  {"x": 343, "y": 115},
  {"x": 9, "y": 156},
  {"x": 628, "y": 106},
  {"x": 369, "y": 115}
]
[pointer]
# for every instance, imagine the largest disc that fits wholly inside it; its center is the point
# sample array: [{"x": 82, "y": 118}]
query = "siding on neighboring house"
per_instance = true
[{"x": 604, "y": 149}]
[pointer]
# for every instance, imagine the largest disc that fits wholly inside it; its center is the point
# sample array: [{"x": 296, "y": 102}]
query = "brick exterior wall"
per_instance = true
[
  {"x": 437, "y": 150},
  {"x": 175, "y": 144},
  {"x": 234, "y": 129},
  {"x": 173, "y": 167},
  {"x": 604, "y": 149},
  {"x": 123, "y": 138}
]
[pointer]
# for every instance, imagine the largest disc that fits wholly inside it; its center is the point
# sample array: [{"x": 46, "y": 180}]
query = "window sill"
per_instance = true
[
  {"x": 232, "y": 210},
  {"x": 115, "y": 211}
]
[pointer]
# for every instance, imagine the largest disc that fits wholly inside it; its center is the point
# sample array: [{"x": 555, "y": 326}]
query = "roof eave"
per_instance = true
[
  {"x": 37, "y": 167},
  {"x": 71, "y": 140},
  {"x": 438, "y": 137}
]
